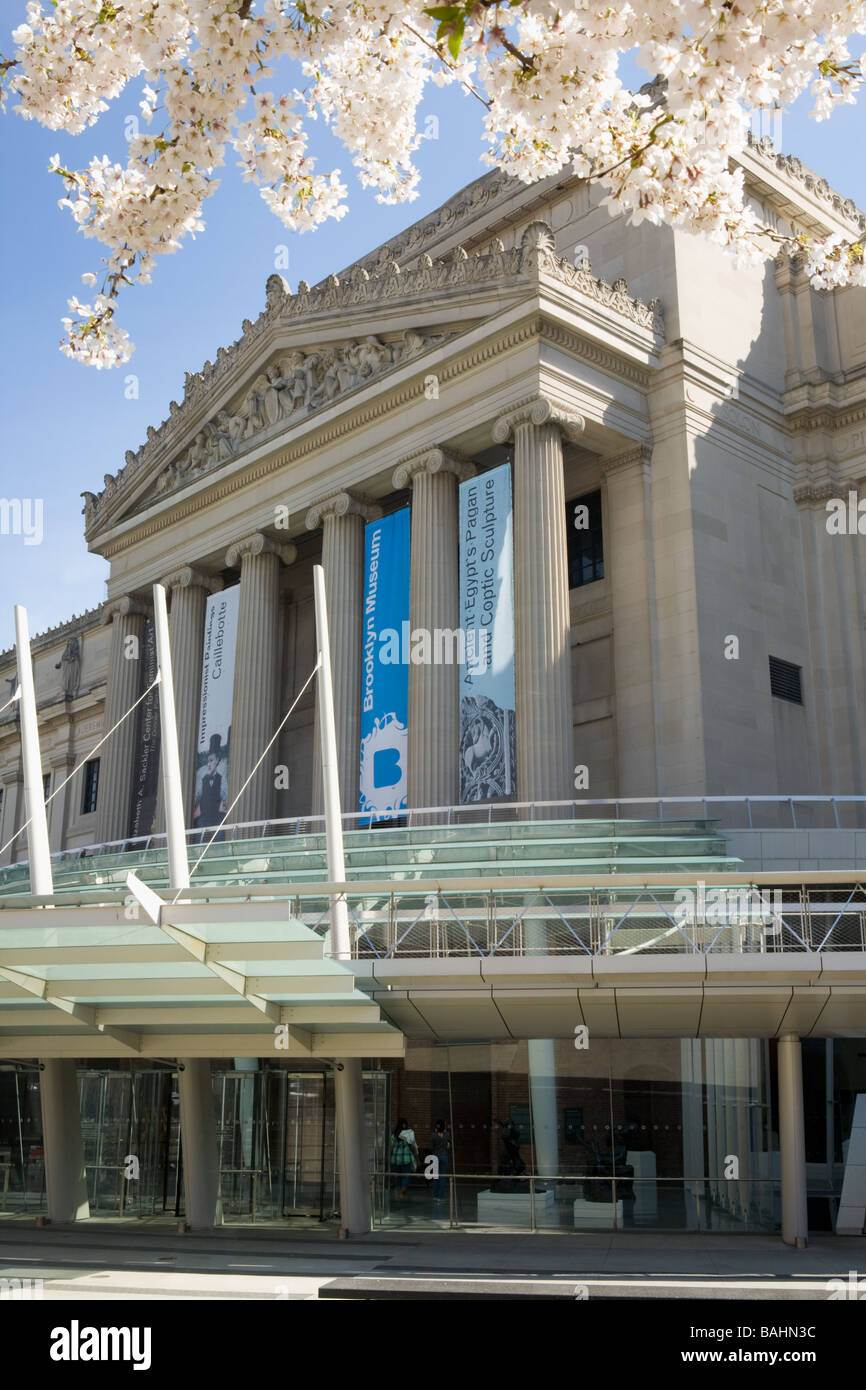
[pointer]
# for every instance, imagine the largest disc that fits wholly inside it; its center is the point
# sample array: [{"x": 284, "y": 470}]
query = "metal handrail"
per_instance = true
[{"x": 417, "y": 818}]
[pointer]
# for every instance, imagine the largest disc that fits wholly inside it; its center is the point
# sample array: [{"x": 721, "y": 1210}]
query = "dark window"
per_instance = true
[
  {"x": 585, "y": 547},
  {"x": 46, "y": 786},
  {"x": 785, "y": 681},
  {"x": 91, "y": 785},
  {"x": 2, "y": 794}
]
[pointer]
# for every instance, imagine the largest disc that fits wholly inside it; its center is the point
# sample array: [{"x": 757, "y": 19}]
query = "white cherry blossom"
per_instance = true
[{"x": 547, "y": 72}]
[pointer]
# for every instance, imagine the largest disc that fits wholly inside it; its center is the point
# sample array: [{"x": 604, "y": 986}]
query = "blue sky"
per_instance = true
[{"x": 65, "y": 426}]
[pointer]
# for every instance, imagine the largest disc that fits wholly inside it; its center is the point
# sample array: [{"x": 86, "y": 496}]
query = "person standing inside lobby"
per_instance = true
[{"x": 404, "y": 1157}]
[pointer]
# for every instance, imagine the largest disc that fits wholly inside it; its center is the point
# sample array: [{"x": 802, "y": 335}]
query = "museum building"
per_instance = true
[{"x": 590, "y": 502}]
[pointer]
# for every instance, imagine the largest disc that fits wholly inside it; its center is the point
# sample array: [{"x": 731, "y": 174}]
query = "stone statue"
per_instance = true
[{"x": 70, "y": 661}]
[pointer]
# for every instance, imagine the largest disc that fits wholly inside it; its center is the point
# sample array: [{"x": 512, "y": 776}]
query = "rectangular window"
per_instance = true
[
  {"x": 46, "y": 786},
  {"x": 585, "y": 542},
  {"x": 91, "y": 786},
  {"x": 785, "y": 681}
]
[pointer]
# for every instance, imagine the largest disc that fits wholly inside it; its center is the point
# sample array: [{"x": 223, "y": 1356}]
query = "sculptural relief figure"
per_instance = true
[
  {"x": 70, "y": 662},
  {"x": 229, "y": 431},
  {"x": 253, "y": 408},
  {"x": 277, "y": 394},
  {"x": 347, "y": 367},
  {"x": 199, "y": 455},
  {"x": 166, "y": 479},
  {"x": 413, "y": 344},
  {"x": 373, "y": 356},
  {"x": 329, "y": 386},
  {"x": 91, "y": 506}
]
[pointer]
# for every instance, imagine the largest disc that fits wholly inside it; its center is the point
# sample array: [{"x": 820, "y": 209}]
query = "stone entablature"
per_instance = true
[
  {"x": 309, "y": 379},
  {"x": 53, "y": 636},
  {"x": 794, "y": 169}
]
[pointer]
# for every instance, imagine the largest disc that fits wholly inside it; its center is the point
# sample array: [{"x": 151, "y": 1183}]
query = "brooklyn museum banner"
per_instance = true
[
  {"x": 215, "y": 717},
  {"x": 487, "y": 749},
  {"x": 384, "y": 683}
]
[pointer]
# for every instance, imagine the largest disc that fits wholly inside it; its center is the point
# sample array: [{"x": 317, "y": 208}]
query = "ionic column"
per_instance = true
[
  {"x": 117, "y": 766},
  {"x": 342, "y": 517},
  {"x": 188, "y": 589},
  {"x": 255, "y": 704},
  {"x": 541, "y": 614},
  {"x": 629, "y": 561},
  {"x": 434, "y": 603}
]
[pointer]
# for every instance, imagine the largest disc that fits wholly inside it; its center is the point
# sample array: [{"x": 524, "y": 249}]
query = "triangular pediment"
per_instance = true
[{"x": 297, "y": 362}]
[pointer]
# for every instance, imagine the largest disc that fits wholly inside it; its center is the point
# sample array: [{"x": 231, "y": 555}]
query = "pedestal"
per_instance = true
[{"x": 514, "y": 1208}]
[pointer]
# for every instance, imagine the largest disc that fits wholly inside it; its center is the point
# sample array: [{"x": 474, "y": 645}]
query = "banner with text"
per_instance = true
[
  {"x": 384, "y": 684},
  {"x": 488, "y": 767},
  {"x": 145, "y": 783},
  {"x": 215, "y": 710}
]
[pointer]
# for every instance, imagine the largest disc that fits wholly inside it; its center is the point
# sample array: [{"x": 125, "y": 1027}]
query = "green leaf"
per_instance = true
[
  {"x": 456, "y": 39},
  {"x": 448, "y": 14}
]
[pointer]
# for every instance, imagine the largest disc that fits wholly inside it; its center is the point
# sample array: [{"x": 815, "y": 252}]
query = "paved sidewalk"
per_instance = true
[{"x": 98, "y": 1262}]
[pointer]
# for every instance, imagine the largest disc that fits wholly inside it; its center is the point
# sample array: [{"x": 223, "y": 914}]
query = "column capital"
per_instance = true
[
  {"x": 537, "y": 410},
  {"x": 188, "y": 577},
  {"x": 637, "y": 457},
  {"x": 125, "y": 607},
  {"x": 259, "y": 544},
  {"x": 342, "y": 504},
  {"x": 432, "y": 461}
]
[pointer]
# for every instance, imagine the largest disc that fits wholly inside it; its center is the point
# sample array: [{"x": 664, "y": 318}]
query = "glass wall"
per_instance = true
[{"x": 667, "y": 1134}]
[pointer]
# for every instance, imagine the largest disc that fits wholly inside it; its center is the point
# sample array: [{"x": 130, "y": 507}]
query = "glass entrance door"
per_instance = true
[{"x": 129, "y": 1130}]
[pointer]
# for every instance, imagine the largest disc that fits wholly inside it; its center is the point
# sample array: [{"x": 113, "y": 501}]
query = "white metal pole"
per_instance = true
[
  {"x": 348, "y": 1078},
  {"x": 340, "y": 940},
  {"x": 41, "y": 881},
  {"x": 178, "y": 863}
]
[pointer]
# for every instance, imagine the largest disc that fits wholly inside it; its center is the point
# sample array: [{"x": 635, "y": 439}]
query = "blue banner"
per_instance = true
[
  {"x": 384, "y": 684},
  {"x": 488, "y": 767}
]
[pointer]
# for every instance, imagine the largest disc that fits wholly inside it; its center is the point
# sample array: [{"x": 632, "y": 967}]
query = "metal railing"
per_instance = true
[
  {"x": 562, "y": 915},
  {"x": 727, "y": 812},
  {"x": 752, "y": 1203}
]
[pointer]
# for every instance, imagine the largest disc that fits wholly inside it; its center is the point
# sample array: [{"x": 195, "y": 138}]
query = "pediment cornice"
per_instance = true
[{"x": 199, "y": 437}]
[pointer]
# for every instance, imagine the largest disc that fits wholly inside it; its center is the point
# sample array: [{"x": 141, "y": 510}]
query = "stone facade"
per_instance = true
[{"x": 717, "y": 410}]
